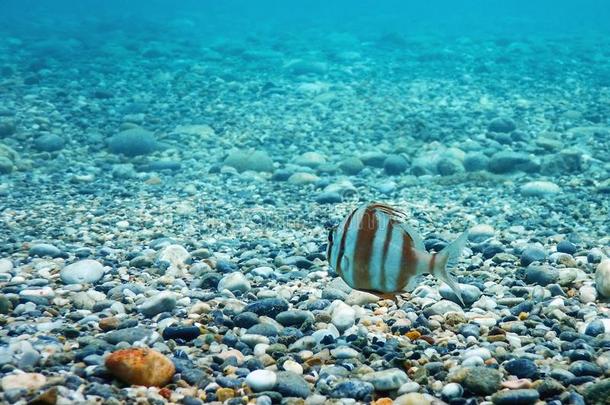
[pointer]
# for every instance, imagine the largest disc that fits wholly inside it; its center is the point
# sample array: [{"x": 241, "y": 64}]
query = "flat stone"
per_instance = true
[
  {"x": 129, "y": 335},
  {"x": 161, "y": 302},
  {"x": 290, "y": 384},
  {"x": 539, "y": 189},
  {"x": 267, "y": 307},
  {"x": 82, "y": 272},
  {"x": 516, "y": 397},
  {"x": 355, "y": 389},
  {"x": 479, "y": 380},
  {"x": 234, "y": 282},
  {"x": 27, "y": 381},
  {"x": 44, "y": 249},
  {"x": 387, "y": 380}
]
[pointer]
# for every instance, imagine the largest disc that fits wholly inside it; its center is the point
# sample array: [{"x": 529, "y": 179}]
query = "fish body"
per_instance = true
[{"x": 374, "y": 249}]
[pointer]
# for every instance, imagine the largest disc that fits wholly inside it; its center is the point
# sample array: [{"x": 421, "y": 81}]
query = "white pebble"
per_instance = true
[{"x": 261, "y": 380}]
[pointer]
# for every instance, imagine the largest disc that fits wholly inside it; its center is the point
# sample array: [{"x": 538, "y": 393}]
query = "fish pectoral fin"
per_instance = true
[{"x": 418, "y": 241}]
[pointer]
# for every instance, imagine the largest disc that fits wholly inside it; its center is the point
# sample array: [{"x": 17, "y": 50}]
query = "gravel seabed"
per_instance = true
[{"x": 175, "y": 195}]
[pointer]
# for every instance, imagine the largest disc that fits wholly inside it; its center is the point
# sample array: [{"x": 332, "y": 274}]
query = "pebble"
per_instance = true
[
  {"x": 479, "y": 380},
  {"x": 253, "y": 160},
  {"x": 470, "y": 293},
  {"x": 290, "y": 384},
  {"x": 303, "y": 178},
  {"x": 387, "y": 380},
  {"x": 565, "y": 246},
  {"x": 133, "y": 142},
  {"x": 44, "y": 250},
  {"x": 82, "y": 272},
  {"x": 129, "y": 335},
  {"x": 515, "y": 397},
  {"x": 343, "y": 317},
  {"x": 541, "y": 275},
  {"x": 267, "y": 307},
  {"x": 595, "y": 328},
  {"x": 310, "y": 159},
  {"x": 6, "y": 306},
  {"x": 234, "y": 282},
  {"x": 295, "y": 317},
  {"x": 395, "y": 164},
  {"x": 442, "y": 307},
  {"x": 522, "y": 368},
  {"x": 414, "y": 398},
  {"x": 451, "y": 391},
  {"x": 49, "y": 143},
  {"x": 583, "y": 368},
  {"x": 539, "y": 189},
  {"x": 138, "y": 366},
  {"x": 509, "y": 161},
  {"x": 355, "y": 389},
  {"x": 261, "y": 380},
  {"x": 602, "y": 278},
  {"x": 480, "y": 233},
  {"x": 293, "y": 366},
  {"x": 532, "y": 254},
  {"x": 329, "y": 197},
  {"x": 598, "y": 392},
  {"x": 27, "y": 381},
  {"x": 186, "y": 333},
  {"x": 502, "y": 125},
  {"x": 161, "y": 302},
  {"x": 351, "y": 165}
]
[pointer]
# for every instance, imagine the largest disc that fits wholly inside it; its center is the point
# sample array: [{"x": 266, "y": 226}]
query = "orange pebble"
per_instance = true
[{"x": 413, "y": 335}]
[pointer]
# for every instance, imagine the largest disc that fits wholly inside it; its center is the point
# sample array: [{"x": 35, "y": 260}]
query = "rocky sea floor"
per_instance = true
[{"x": 176, "y": 196}]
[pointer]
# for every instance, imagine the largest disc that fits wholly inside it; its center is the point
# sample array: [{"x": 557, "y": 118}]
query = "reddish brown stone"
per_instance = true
[{"x": 137, "y": 366}]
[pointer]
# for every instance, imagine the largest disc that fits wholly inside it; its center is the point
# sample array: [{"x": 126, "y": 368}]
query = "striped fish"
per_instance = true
[{"x": 374, "y": 249}]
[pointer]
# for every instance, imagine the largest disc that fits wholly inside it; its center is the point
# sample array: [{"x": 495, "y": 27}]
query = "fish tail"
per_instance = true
[{"x": 447, "y": 259}]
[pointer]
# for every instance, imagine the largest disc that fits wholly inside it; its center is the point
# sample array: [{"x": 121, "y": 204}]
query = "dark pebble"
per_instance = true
[
  {"x": 267, "y": 307},
  {"x": 522, "y": 368},
  {"x": 532, "y": 254},
  {"x": 541, "y": 275},
  {"x": 355, "y": 389},
  {"x": 246, "y": 319},
  {"x": 565, "y": 246},
  {"x": 186, "y": 333},
  {"x": 515, "y": 397},
  {"x": 395, "y": 164},
  {"x": 595, "y": 328},
  {"x": 585, "y": 368}
]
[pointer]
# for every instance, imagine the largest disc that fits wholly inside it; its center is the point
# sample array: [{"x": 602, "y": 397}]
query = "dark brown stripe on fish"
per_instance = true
[
  {"x": 408, "y": 262},
  {"x": 384, "y": 256},
  {"x": 364, "y": 248},
  {"x": 431, "y": 264},
  {"x": 341, "y": 251}
]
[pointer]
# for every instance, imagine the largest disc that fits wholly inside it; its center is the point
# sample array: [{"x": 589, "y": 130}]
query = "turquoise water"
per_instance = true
[{"x": 171, "y": 177}]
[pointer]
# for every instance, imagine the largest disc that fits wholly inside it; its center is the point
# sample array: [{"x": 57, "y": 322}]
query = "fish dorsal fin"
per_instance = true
[{"x": 399, "y": 218}]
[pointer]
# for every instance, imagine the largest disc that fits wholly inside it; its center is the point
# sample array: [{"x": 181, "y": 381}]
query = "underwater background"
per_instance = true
[{"x": 170, "y": 171}]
